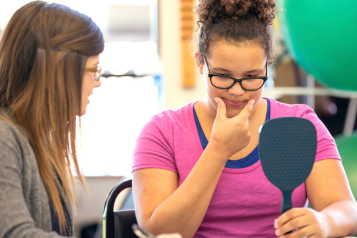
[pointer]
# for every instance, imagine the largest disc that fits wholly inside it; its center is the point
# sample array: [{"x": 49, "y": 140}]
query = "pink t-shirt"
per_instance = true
[{"x": 244, "y": 203}]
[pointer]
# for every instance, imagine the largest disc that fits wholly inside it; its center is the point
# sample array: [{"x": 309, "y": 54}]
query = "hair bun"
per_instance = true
[{"x": 210, "y": 11}]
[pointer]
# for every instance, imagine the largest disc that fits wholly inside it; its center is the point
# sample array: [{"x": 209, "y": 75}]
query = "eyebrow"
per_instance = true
[{"x": 228, "y": 71}]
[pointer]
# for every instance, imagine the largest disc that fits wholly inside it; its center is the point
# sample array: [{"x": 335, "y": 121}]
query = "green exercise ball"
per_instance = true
[
  {"x": 347, "y": 146},
  {"x": 321, "y": 35}
]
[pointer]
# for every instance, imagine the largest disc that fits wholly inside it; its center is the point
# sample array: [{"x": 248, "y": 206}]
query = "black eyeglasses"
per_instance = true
[
  {"x": 97, "y": 71},
  {"x": 222, "y": 81}
]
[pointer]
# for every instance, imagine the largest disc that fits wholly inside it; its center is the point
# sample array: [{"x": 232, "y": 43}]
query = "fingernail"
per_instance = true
[{"x": 277, "y": 232}]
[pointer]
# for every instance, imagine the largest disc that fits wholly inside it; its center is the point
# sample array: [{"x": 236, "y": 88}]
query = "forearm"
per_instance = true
[
  {"x": 184, "y": 210},
  {"x": 342, "y": 218}
]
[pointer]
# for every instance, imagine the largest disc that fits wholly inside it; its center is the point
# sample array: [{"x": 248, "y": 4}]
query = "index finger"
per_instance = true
[
  {"x": 245, "y": 113},
  {"x": 221, "y": 108},
  {"x": 288, "y": 215},
  {"x": 176, "y": 235}
]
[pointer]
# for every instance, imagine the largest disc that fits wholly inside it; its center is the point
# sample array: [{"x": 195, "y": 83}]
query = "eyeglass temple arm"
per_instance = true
[
  {"x": 266, "y": 68},
  {"x": 93, "y": 70},
  {"x": 206, "y": 65}
]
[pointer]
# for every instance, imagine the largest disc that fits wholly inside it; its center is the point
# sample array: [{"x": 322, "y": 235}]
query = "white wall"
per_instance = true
[{"x": 170, "y": 49}]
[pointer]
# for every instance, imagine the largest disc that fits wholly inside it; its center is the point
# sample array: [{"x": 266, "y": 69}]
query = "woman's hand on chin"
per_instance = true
[{"x": 230, "y": 135}]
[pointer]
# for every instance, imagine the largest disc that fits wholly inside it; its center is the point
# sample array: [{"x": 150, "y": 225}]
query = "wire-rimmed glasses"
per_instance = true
[{"x": 97, "y": 71}]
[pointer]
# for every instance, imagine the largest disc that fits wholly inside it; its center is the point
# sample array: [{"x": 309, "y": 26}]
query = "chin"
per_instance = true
[
  {"x": 83, "y": 111},
  {"x": 232, "y": 114}
]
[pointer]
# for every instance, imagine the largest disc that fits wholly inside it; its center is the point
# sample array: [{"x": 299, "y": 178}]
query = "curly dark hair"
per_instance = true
[{"x": 235, "y": 21}]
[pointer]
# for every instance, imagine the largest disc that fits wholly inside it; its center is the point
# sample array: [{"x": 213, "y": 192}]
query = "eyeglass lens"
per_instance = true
[
  {"x": 249, "y": 84},
  {"x": 98, "y": 73}
]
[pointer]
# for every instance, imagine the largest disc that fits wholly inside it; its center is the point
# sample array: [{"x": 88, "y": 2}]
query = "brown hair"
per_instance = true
[
  {"x": 43, "y": 53},
  {"x": 237, "y": 21}
]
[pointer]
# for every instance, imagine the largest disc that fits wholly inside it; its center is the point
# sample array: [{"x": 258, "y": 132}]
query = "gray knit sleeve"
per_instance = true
[{"x": 21, "y": 199}]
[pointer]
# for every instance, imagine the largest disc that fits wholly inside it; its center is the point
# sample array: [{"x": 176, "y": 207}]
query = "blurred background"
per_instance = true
[{"x": 148, "y": 67}]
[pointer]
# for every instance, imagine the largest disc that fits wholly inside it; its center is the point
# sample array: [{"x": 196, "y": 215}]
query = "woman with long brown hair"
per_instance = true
[{"x": 48, "y": 68}]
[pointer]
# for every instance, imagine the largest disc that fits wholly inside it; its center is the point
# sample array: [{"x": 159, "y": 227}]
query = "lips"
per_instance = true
[
  {"x": 234, "y": 103},
  {"x": 89, "y": 97}
]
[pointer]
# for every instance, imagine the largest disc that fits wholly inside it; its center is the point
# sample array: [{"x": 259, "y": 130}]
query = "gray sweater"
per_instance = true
[{"x": 24, "y": 202}]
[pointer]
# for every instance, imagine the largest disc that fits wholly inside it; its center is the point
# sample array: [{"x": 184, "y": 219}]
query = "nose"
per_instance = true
[
  {"x": 236, "y": 90},
  {"x": 97, "y": 83}
]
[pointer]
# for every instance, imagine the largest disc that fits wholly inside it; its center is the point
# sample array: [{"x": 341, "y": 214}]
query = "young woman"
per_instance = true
[
  {"x": 196, "y": 169},
  {"x": 48, "y": 68}
]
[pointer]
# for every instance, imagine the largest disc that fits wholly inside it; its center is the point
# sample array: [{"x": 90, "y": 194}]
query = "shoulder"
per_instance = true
[
  {"x": 279, "y": 109},
  {"x": 179, "y": 113},
  {"x": 172, "y": 118},
  {"x": 166, "y": 128},
  {"x": 13, "y": 141},
  {"x": 10, "y": 131}
]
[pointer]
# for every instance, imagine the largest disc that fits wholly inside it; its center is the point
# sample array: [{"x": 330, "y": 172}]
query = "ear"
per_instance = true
[{"x": 198, "y": 63}]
